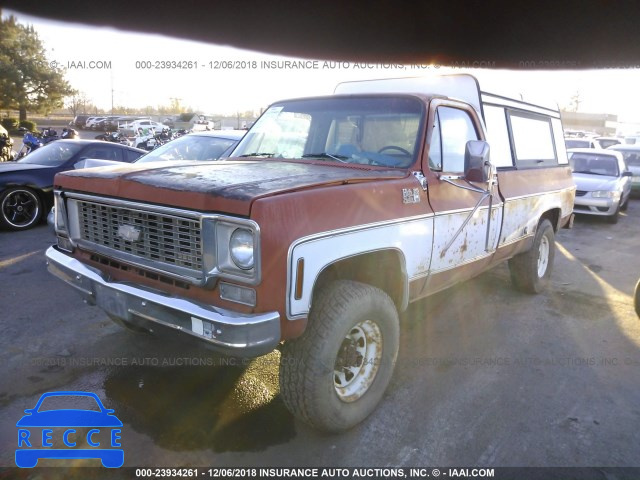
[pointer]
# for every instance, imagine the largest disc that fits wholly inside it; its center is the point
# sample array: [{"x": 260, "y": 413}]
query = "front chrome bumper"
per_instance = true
[{"x": 224, "y": 331}]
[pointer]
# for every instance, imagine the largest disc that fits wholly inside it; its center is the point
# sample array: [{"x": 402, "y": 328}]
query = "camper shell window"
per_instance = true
[{"x": 532, "y": 139}]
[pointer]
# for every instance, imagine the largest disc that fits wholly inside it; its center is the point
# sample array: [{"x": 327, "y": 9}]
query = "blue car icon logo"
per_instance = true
[{"x": 69, "y": 433}]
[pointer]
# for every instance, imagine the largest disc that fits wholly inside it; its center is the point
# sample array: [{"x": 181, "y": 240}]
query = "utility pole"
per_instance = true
[
  {"x": 575, "y": 100},
  {"x": 111, "y": 92},
  {"x": 175, "y": 105}
]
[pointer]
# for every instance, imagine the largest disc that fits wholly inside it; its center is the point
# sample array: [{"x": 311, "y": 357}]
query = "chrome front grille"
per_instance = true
[
  {"x": 580, "y": 193},
  {"x": 165, "y": 240}
]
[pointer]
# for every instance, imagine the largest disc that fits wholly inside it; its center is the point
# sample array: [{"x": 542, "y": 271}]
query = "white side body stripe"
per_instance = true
[{"x": 413, "y": 238}]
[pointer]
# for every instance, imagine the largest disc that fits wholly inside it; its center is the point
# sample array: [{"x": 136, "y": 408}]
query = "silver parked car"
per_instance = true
[
  {"x": 603, "y": 182},
  {"x": 631, "y": 155}
]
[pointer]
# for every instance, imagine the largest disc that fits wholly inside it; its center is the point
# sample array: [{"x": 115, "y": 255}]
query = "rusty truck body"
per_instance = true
[{"x": 330, "y": 217}]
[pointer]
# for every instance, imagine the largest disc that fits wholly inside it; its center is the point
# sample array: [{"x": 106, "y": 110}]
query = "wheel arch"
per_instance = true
[
  {"x": 553, "y": 215},
  {"x": 384, "y": 269}
]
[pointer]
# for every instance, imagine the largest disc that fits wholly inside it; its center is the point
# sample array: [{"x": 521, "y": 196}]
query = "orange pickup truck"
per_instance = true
[{"x": 330, "y": 217}]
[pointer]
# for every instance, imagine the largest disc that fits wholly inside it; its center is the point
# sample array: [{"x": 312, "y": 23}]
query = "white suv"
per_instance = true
[
  {"x": 131, "y": 128},
  {"x": 91, "y": 121}
]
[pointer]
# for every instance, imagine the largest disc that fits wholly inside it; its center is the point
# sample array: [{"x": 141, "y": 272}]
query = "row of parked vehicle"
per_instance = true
[
  {"x": 591, "y": 142},
  {"x": 113, "y": 123},
  {"x": 606, "y": 170},
  {"x": 30, "y": 141}
]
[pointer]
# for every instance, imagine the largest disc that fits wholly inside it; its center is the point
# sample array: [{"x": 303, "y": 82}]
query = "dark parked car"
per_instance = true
[
  {"x": 79, "y": 121},
  {"x": 26, "y": 186},
  {"x": 108, "y": 124}
]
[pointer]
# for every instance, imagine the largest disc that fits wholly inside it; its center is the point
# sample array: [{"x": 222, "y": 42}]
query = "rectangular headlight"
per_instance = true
[{"x": 605, "y": 194}]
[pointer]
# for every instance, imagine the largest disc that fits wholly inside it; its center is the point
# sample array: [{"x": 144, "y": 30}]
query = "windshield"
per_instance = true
[
  {"x": 594, "y": 164},
  {"x": 366, "y": 130},
  {"x": 631, "y": 157},
  {"x": 577, "y": 143},
  {"x": 607, "y": 142},
  {"x": 190, "y": 147},
  {"x": 53, "y": 155}
]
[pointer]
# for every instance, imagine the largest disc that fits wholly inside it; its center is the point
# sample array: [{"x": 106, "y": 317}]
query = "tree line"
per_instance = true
[{"x": 29, "y": 83}]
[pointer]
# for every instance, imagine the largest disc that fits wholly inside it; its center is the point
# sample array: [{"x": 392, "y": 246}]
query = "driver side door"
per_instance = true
[{"x": 466, "y": 226}]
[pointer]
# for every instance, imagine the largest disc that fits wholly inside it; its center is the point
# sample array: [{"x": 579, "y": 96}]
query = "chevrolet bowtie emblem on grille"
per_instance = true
[{"x": 129, "y": 233}]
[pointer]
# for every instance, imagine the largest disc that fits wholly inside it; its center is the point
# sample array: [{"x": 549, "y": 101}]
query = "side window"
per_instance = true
[
  {"x": 131, "y": 156},
  {"x": 456, "y": 129},
  {"x": 532, "y": 139},
  {"x": 435, "y": 149},
  {"x": 498, "y": 135},
  {"x": 103, "y": 153}
]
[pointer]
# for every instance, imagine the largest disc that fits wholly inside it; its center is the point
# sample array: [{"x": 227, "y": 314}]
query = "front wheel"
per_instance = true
[
  {"x": 334, "y": 376},
  {"x": 20, "y": 208},
  {"x": 625, "y": 205},
  {"x": 613, "y": 219},
  {"x": 531, "y": 271}
]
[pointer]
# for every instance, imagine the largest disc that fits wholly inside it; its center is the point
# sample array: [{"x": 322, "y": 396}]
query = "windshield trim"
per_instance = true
[
  {"x": 41, "y": 152},
  {"x": 418, "y": 147}
]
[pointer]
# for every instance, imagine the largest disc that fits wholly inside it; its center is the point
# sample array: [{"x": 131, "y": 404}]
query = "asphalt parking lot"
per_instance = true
[{"x": 486, "y": 376}]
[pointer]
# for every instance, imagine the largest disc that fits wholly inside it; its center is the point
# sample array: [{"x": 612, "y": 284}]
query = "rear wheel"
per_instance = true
[
  {"x": 531, "y": 271},
  {"x": 334, "y": 376},
  {"x": 20, "y": 208}
]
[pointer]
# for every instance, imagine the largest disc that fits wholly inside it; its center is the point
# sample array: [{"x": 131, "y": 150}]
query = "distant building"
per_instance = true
[
  {"x": 600, "y": 123},
  {"x": 237, "y": 122}
]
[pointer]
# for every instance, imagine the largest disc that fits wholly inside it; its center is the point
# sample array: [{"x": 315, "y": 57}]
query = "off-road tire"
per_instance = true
[
  {"x": 308, "y": 381},
  {"x": 527, "y": 272}
]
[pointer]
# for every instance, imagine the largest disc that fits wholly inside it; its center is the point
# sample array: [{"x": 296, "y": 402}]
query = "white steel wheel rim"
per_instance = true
[
  {"x": 543, "y": 256},
  {"x": 20, "y": 204},
  {"x": 358, "y": 361}
]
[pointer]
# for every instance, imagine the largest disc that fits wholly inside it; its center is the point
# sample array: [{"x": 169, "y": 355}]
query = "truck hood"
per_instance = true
[{"x": 218, "y": 186}]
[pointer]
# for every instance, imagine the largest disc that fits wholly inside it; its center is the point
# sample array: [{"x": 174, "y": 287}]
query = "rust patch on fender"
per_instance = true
[{"x": 464, "y": 246}]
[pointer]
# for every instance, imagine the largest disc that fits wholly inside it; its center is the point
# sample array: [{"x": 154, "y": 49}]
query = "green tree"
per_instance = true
[{"x": 28, "y": 81}]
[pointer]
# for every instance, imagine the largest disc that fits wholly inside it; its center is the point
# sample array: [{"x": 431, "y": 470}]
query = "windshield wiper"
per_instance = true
[
  {"x": 257, "y": 154},
  {"x": 339, "y": 158},
  {"x": 594, "y": 173}
]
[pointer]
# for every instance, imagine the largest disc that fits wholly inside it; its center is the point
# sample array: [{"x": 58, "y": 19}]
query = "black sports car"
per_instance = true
[{"x": 26, "y": 186}]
